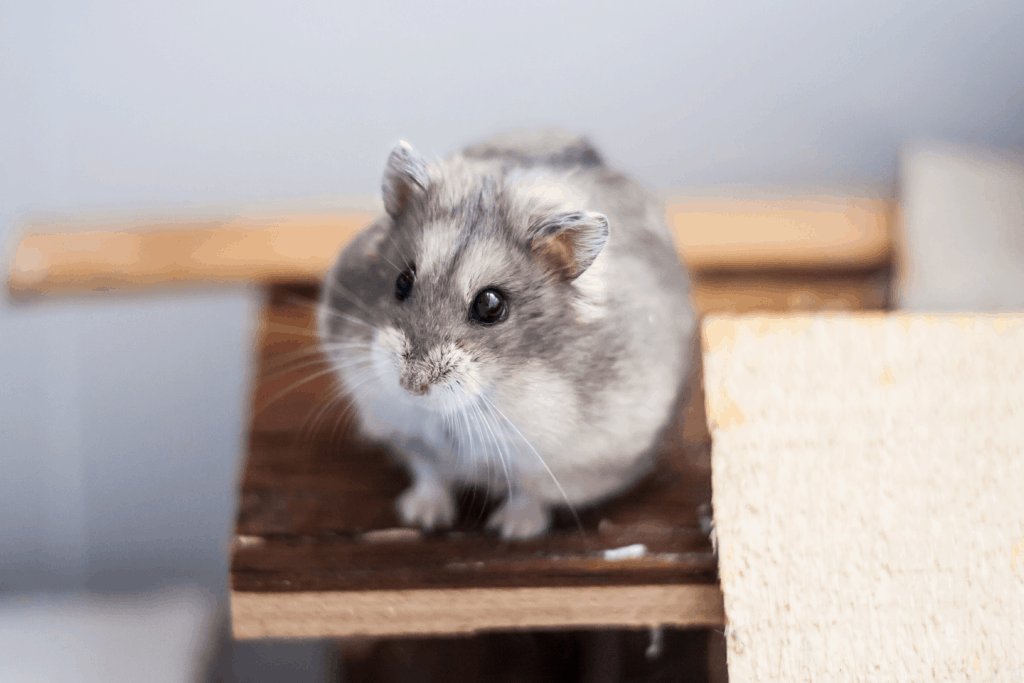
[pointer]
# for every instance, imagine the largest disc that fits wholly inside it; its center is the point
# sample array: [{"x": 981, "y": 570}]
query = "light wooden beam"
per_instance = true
[
  {"x": 118, "y": 251},
  {"x": 814, "y": 231},
  {"x": 469, "y": 610}
]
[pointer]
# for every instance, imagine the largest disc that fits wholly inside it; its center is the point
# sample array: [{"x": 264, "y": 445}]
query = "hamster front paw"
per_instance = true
[
  {"x": 427, "y": 504},
  {"x": 519, "y": 518}
]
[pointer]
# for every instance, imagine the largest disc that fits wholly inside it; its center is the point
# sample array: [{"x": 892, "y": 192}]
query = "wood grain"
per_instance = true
[
  {"x": 316, "y": 516},
  {"x": 790, "y": 290},
  {"x": 318, "y": 551},
  {"x": 317, "y": 503},
  {"x": 447, "y": 611}
]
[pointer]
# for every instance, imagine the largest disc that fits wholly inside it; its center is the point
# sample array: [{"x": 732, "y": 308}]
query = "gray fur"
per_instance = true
[
  {"x": 528, "y": 148},
  {"x": 405, "y": 174},
  {"x": 562, "y": 402}
]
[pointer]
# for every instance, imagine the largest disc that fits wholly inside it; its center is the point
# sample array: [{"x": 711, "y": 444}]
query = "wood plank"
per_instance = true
[
  {"x": 209, "y": 251},
  {"x": 317, "y": 502},
  {"x": 787, "y": 290},
  {"x": 447, "y": 611},
  {"x": 317, "y": 515},
  {"x": 593, "y": 655},
  {"x": 816, "y": 231},
  {"x": 106, "y": 251}
]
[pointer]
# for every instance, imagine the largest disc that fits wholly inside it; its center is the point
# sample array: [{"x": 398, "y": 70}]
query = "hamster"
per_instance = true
[{"x": 519, "y": 319}]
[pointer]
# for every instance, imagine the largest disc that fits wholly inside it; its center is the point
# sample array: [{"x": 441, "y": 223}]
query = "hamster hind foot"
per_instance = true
[
  {"x": 428, "y": 504},
  {"x": 520, "y": 517}
]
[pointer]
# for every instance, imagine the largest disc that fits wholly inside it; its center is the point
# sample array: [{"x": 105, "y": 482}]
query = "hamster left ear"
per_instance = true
[
  {"x": 569, "y": 243},
  {"x": 405, "y": 173}
]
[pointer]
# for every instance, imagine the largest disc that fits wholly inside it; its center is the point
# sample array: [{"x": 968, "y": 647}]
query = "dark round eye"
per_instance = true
[
  {"x": 489, "y": 307},
  {"x": 403, "y": 285}
]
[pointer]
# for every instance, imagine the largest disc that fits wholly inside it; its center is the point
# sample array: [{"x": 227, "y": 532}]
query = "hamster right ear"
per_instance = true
[
  {"x": 569, "y": 243},
  {"x": 405, "y": 174}
]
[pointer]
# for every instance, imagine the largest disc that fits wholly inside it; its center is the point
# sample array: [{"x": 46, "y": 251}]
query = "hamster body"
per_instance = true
[{"x": 518, "y": 319}]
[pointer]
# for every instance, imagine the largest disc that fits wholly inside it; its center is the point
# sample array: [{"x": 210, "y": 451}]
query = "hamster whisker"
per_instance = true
[
  {"x": 301, "y": 330},
  {"x": 408, "y": 263},
  {"x": 297, "y": 330},
  {"x": 293, "y": 361},
  {"x": 281, "y": 329},
  {"x": 295, "y": 366},
  {"x": 344, "y": 418},
  {"x": 497, "y": 444},
  {"x": 293, "y": 387},
  {"x": 325, "y": 351},
  {"x": 275, "y": 360},
  {"x": 390, "y": 262},
  {"x": 474, "y": 435},
  {"x": 319, "y": 309},
  {"x": 332, "y": 400},
  {"x": 561, "y": 490},
  {"x": 278, "y": 360},
  {"x": 487, "y": 462},
  {"x": 349, "y": 296},
  {"x": 349, "y": 413},
  {"x": 347, "y": 317},
  {"x": 311, "y": 421},
  {"x": 458, "y": 443}
]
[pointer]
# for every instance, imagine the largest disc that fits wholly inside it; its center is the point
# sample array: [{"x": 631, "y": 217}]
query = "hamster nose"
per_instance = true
[{"x": 415, "y": 386}]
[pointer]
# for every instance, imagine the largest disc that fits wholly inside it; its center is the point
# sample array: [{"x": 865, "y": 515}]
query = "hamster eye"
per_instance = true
[
  {"x": 403, "y": 285},
  {"x": 489, "y": 307}
]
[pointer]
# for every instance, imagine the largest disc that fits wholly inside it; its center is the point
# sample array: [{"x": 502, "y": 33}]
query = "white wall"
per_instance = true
[
  {"x": 112, "y": 101},
  {"x": 121, "y": 434}
]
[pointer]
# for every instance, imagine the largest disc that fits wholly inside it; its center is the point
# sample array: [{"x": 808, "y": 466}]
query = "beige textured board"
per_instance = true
[
  {"x": 447, "y": 611},
  {"x": 868, "y": 488}
]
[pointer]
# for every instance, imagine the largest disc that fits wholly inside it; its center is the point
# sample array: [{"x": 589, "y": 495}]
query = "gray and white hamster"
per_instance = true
[{"x": 517, "y": 319}]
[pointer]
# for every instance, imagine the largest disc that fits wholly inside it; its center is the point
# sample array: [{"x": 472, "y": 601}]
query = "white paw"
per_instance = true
[
  {"x": 428, "y": 505},
  {"x": 520, "y": 518}
]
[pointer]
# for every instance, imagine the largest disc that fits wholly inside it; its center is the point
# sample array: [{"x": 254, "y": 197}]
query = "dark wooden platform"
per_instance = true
[{"x": 317, "y": 519}]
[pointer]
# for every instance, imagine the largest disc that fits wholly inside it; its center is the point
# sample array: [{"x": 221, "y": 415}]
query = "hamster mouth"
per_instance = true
[
  {"x": 415, "y": 386},
  {"x": 444, "y": 396},
  {"x": 442, "y": 378}
]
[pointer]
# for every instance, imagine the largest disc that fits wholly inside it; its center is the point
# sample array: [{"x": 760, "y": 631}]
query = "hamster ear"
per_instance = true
[
  {"x": 569, "y": 243},
  {"x": 406, "y": 173}
]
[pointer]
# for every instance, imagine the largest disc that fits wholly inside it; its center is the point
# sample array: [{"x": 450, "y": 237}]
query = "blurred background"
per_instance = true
[
  {"x": 123, "y": 104},
  {"x": 135, "y": 101}
]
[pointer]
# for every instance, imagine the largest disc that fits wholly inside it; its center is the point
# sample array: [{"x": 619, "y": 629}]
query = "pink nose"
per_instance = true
[{"x": 415, "y": 387}]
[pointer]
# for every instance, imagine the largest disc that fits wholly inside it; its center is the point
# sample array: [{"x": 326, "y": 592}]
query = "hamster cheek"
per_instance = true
[
  {"x": 468, "y": 375},
  {"x": 542, "y": 403},
  {"x": 388, "y": 346},
  {"x": 391, "y": 340}
]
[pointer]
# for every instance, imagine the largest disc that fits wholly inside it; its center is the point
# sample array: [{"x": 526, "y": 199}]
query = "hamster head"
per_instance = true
[{"x": 474, "y": 272}]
